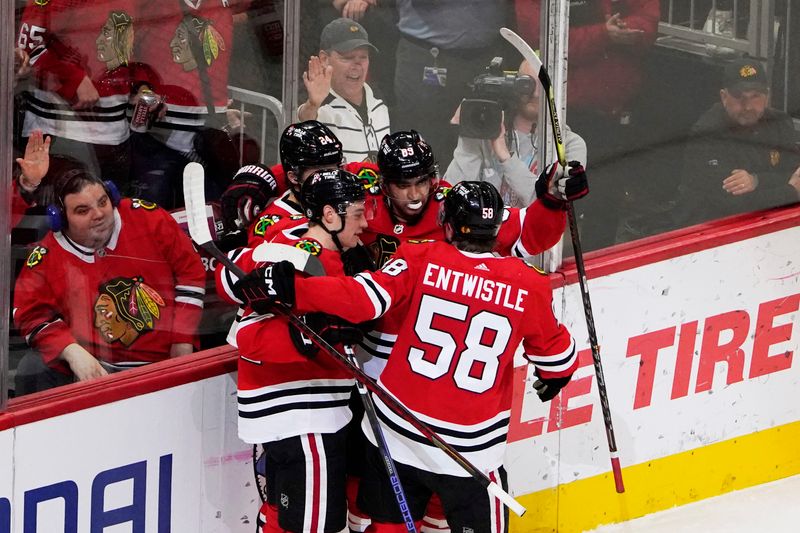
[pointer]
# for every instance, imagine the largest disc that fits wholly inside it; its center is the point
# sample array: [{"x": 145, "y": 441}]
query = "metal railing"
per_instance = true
[
  {"x": 727, "y": 27},
  {"x": 257, "y": 108}
]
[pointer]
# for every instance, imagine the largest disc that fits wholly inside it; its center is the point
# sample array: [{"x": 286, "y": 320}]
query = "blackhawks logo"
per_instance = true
[
  {"x": 138, "y": 203},
  {"x": 125, "y": 309},
  {"x": 309, "y": 246},
  {"x": 369, "y": 178},
  {"x": 265, "y": 222},
  {"x": 200, "y": 30},
  {"x": 36, "y": 256},
  {"x": 441, "y": 193}
]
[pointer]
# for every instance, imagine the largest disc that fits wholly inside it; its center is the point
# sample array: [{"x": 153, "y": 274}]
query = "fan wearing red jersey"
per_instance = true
[
  {"x": 466, "y": 312},
  {"x": 292, "y": 401},
  {"x": 115, "y": 284}
]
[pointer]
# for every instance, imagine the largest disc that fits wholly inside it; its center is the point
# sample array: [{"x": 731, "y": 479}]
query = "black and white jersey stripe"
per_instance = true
[
  {"x": 279, "y": 411},
  {"x": 555, "y": 362},
  {"x": 483, "y": 443},
  {"x": 104, "y": 123},
  {"x": 381, "y": 300},
  {"x": 190, "y": 294}
]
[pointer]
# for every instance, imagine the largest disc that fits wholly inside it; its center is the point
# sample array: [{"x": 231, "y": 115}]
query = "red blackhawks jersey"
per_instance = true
[
  {"x": 68, "y": 40},
  {"x": 126, "y": 303},
  {"x": 524, "y": 232},
  {"x": 282, "y": 393},
  {"x": 163, "y": 43},
  {"x": 452, "y": 363}
]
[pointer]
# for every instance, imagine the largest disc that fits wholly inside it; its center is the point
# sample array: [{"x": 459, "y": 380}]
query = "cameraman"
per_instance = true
[{"x": 509, "y": 161}]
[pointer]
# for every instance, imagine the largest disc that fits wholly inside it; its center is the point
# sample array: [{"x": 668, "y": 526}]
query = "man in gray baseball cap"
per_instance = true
[
  {"x": 338, "y": 95},
  {"x": 344, "y": 35}
]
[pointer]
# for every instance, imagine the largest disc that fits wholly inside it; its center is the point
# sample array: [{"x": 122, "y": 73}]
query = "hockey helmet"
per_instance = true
[
  {"x": 336, "y": 188},
  {"x": 404, "y": 155},
  {"x": 474, "y": 209},
  {"x": 309, "y": 144}
]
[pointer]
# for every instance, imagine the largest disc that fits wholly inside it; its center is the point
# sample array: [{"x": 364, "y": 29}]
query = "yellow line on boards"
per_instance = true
[{"x": 663, "y": 483}]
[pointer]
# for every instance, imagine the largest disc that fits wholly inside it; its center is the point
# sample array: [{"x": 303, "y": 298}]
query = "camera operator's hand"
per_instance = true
[
  {"x": 555, "y": 188},
  {"x": 499, "y": 146},
  {"x": 317, "y": 80}
]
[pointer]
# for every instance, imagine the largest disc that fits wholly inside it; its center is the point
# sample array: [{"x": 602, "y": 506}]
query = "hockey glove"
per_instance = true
[
  {"x": 568, "y": 187},
  {"x": 332, "y": 329},
  {"x": 547, "y": 389},
  {"x": 264, "y": 287},
  {"x": 358, "y": 259},
  {"x": 246, "y": 196},
  {"x": 340, "y": 331}
]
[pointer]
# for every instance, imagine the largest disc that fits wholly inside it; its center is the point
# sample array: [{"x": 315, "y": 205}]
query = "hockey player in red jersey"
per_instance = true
[
  {"x": 465, "y": 313},
  {"x": 305, "y": 148},
  {"x": 115, "y": 282},
  {"x": 409, "y": 180},
  {"x": 290, "y": 399}
]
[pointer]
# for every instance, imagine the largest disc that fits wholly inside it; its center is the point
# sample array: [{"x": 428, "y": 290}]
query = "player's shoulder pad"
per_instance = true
[
  {"x": 264, "y": 222},
  {"x": 309, "y": 246},
  {"x": 36, "y": 256},
  {"x": 147, "y": 205},
  {"x": 441, "y": 192},
  {"x": 534, "y": 267}
]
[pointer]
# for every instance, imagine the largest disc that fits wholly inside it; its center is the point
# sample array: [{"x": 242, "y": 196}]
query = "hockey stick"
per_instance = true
[
  {"x": 194, "y": 194},
  {"x": 544, "y": 78},
  {"x": 383, "y": 447}
]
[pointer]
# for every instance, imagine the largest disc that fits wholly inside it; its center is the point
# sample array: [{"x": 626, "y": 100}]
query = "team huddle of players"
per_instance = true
[{"x": 427, "y": 280}]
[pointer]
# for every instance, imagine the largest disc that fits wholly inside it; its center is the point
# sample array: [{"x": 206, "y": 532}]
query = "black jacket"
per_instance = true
[{"x": 717, "y": 146}]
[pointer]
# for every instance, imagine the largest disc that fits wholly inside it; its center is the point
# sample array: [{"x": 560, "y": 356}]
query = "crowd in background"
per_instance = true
[{"x": 132, "y": 91}]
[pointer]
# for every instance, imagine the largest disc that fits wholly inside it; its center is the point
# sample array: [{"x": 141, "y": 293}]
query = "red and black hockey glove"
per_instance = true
[
  {"x": 568, "y": 187},
  {"x": 252, "y": 188},
  {"x": 332, "y": 329},
  {"x": 547, "y": 389},
  {"x": 265, "y": 287}
]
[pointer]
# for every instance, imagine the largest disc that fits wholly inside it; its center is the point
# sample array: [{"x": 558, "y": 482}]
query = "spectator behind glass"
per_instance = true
[
  {"x": 118, "y": 285},
  {"x": 178, "y": 39},
  {"x": 338, "y": 95},
  {"x": 608, "y": 40},
  {"x": 442, "y": 45},
  {"x": 510, "y": 162},
  {"x": 742, "y": 154},
  {"x": 81, "y": 56}
]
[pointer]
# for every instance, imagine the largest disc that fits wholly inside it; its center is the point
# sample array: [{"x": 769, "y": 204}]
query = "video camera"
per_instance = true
[{"x": 493, "y": 92}]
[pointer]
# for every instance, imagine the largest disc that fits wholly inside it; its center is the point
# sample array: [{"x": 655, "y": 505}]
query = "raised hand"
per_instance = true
[{"x": 36, "y": 160}]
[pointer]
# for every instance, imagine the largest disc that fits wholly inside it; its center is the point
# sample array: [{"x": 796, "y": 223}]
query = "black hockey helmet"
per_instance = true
[
  {"x": 309, "y": 144},
  {"x": 336, "y": 188},
  {"x": 404, "y": 155},
  {"x": 474, "y": 209}
]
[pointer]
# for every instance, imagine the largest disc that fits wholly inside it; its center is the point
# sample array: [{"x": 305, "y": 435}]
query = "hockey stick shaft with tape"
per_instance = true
[
  {"x": 194, "y": 195},
  {"x": 383, "y": 447},
  {"x": 547, "y": 87}
]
